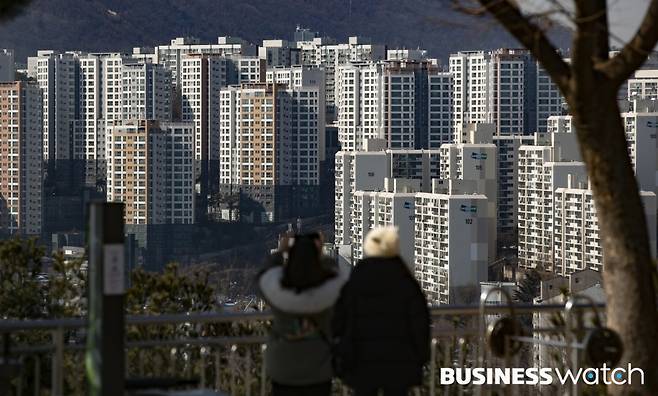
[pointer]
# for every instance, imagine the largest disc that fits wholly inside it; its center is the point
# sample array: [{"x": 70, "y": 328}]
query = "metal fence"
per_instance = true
[{"x": 224, "y": 351}]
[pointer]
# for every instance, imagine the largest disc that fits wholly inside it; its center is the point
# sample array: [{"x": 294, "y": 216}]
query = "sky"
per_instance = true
[{"x": 624, "y": 16}]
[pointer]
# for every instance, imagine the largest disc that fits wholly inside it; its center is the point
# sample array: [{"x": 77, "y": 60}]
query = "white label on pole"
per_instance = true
[{"x": 113, "y": 269}]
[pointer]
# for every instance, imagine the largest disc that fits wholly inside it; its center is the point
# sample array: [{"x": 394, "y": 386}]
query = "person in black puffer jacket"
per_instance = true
[{"x": 381, "y": 324}]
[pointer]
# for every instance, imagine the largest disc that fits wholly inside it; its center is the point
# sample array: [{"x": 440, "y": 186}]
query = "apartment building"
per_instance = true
[
  {"x": 475, "y": 162},
  {"x": 146, "y": 92},
  {"x": 643, "y": 85},
  {"x": 355, "y": 171},
  {"x": 21, "y": 185},
  {"x": 389, "y": 100},
  {"x": 367, "y": 171},
  {"x": 301, "y": 77},
  {"x": 57, "y": 76},
  {"x": 171, "y": 55},
  {"x": 328, "y": 54},
  {"x": 279, "y": 53},
  {"x": 497, "y": 87},
  {"x": 393, "y": 206},
  {"x": 406, "y": 54},
  {"x": 101, "y": 103},
  {"x": 269, "y": 143},
  {"x": 297, "y": 76},
  {"x": 577, "y": 242},
  {"x": 201, "y": 79},
  {"x": 641, "y": 126},
  {"x": 451, "y": 245},
  {"x": 150, "y": 168},
  {"x": 550, "y": 101},
  {"x": 507, "y": 205},
  {"x": 439, "y": 116},
  {"x": 7, "y": 67},
  {"x": 541, "y": 170}
]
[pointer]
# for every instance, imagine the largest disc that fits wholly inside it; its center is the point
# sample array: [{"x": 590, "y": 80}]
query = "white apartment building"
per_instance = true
[
  {"x": 641, "y": 126},
  {"x": 355, "y": 171},
  {"x": 7, "y": 67},
  {"x": 171, "y": 55},
  {"x": 451, "y": 245},
  {"x": 150, "y": 168},
  {"x": 367, "y": 171},
  {"x": 101, "y": 103},
  {"x": 21, "y": 184},
  {"x": 57, "y": 76},
  {"x": 541, "y": 170},
  {"x": 475, "y": 163},
  {"x": 550, "y": 101},
  {"x": 507, "y": 164},
  {"x": 643, "y": 85},
  {"x": 296, "y": 76},
  {"x": 556, "y": 290},
  {"x": 201, "y": 79},
  {"x": 577, "y": 242},
  {"x": 269, "y": 141},
  {"x": 146, "y": 92},
  {"x": 279, "y": 53},
  {"x": 299, "y": 78},
  {"x": 406, "y": 54},
  {"x": 387, "y": 100},
  {"x": 393, "y": 206},
  {"x": 329, "y": 55},
  {"x": 249, "y": 69},
  {"x": 439, "y": 122},
  {"x": 494, "y": 87}
]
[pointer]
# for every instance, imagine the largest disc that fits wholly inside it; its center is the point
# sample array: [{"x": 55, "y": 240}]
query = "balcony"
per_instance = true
[{"x": 222, "y": 353}]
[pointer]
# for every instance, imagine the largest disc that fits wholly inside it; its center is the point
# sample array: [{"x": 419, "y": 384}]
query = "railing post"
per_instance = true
[
  {"x": 263, "y": 375},
  {"x": 21, "y": 380},
  {"x": 105, "y": 351},
  {"x": 202, "y": 367},
  {"x": 37, "y": 375},
  {"x": 218, "y": 373},
  {"x": 433, "y": 367},
  {"x": 233, "y": 369},
  {"x": 58, "y": 362},
  {"x": 247, "y": 377},
  {"x": 172, "y": 361}
]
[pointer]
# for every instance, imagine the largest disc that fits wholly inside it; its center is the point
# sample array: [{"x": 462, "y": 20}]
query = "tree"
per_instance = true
[
  {"x": 528, "y": 288},
  {"x": 589, "y": 83}
]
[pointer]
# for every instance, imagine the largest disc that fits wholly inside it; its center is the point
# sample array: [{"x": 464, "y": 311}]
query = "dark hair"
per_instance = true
[{"x": 304, "y": 267}]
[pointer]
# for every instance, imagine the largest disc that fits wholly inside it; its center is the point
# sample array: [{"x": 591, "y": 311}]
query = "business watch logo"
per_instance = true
[{"x": 544, "y": 376}]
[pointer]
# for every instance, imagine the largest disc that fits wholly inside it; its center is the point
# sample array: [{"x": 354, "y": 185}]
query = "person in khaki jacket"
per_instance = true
[{"x": 301, "y": 287}]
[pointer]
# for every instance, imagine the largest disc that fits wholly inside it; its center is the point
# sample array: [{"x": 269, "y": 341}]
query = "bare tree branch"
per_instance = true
[
  {"x": 636, "y": 51},
  {"x": 590, "y": 45},
  {"x": 11, "y": 8},
  {"x": 533, "y": 38}
]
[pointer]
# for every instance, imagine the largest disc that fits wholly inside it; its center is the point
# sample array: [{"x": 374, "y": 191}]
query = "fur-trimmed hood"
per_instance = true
[
  {"x": 382, "y": 242},
  {"x": 309, "y": 301}
]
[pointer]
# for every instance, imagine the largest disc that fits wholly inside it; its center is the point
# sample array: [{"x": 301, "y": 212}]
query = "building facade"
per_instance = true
[
  {"x": 150, "y": 169},
  {"x": 21, "y": 184}
]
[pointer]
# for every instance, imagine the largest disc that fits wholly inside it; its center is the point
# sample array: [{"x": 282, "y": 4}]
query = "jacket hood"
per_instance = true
[
  {"x": 382, "y": 242},
  {"x": 309, "y": 301}
]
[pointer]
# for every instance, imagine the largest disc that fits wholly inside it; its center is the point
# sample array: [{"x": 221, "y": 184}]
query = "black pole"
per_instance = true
[{"x": 105, "y": 339}]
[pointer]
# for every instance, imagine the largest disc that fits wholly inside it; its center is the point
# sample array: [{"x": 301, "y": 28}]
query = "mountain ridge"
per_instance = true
[{"x": 119, "y": 25}]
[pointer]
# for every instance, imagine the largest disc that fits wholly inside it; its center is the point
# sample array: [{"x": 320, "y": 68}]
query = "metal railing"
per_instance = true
[{"x": 232, "y": 362}]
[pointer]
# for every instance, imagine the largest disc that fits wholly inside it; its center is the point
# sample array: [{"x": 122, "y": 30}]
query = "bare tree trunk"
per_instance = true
[
  {"x": 628, "y": 270},
  {"x": 590, "y": 83}
]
